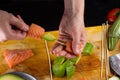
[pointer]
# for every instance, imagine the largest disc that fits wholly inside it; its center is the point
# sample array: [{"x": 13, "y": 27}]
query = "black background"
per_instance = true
[{"x": 48, "y": 13}]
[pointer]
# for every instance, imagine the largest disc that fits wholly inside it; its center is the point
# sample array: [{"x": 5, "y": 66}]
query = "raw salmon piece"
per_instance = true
[
  {"x": 35, "y": 31},
  {"x": 14, "y": 57}
]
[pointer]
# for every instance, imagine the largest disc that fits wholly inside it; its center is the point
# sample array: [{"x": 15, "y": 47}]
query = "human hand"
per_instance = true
[
  {"x": 71, "y": 28},
  {"x": 11, "y": 27}
]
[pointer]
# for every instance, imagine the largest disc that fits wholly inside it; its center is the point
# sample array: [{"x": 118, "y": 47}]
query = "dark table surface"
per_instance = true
[{"x": 48, "y": 13}]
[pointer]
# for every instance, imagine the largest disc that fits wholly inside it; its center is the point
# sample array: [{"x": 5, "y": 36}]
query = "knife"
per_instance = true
[
  {"x": 115, "y": 63},
  {"x": 49, "y": 59}
]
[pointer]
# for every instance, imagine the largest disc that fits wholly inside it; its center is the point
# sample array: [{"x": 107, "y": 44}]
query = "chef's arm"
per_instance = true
[{"x": 74, "y": 7}]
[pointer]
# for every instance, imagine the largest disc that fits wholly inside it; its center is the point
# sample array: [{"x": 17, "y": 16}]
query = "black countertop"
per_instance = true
[{"x": 48, "y": 13}]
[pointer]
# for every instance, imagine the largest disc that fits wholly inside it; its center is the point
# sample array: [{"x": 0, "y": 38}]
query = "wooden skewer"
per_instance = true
[
  {"x": 102, "y": 53},
  {"x": 105, "y": 50},
  {"x": 48, "y": 54},
  {"x": 107, "y": 55}
]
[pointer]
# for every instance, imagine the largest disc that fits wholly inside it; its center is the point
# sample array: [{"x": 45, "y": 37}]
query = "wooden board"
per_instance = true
[{"x": 88, "y": 66}]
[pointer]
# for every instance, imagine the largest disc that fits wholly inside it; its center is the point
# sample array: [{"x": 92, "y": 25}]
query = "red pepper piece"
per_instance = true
[{"x": 112, "y": 15}]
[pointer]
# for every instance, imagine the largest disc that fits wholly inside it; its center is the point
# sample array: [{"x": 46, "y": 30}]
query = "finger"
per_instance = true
[
  {"x": 62, "y": 53},
  {"x": 19, "y": 17},
  {"x": 64, "y": 37},
  {"x": 68, "y": 55},
  {"x": 57, "y": 48},
  {"x": 18, "y": 23},
  {"x": 83, "y": 38},
  {"x": 76, "y": 44},
  {"x": 16, "y": 35}
]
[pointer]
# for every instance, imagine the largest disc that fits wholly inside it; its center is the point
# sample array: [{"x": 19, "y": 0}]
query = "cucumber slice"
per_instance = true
[
  {"x": 48, "y": 37},
  {"x": 10, "y": 77},
  {"x": 88, "y": 49}
]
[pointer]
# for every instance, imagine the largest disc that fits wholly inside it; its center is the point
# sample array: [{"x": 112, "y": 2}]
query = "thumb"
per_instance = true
[{"x": 76, "y": 45}]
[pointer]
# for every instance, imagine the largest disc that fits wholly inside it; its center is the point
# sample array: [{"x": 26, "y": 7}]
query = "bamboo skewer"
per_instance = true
[
  {"x": 107, "y": 55},
  {"x": 102, "y": 53},
  {"x": 105, "y": 51},
  {"x": 48, "y": 54}
]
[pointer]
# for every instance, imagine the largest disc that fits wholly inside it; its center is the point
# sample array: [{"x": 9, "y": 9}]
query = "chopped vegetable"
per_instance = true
[
  {"x": 114, "y": 34},
  {"x": 88, "y": 48},
  {"x": 49, "y": 37},
  {"x": 75, "y": 60},
  {"x": 114, "y": 78},
  {"x": 59, "y": 60},
  {"x": 70, "y": 71},
  {"x": 70, "y": 68},
  {"x": 62, "y": 65},
  {"x": 68, "y": 47},
  {"x": 10, "y": 77},
  {"x": 113, "y": 14},
  {"x": 58, "y": 70},
  {"x": 68, "y": 63}
]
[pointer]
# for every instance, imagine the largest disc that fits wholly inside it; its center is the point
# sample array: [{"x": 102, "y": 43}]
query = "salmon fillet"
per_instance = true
[
  {"x": 35, "y": 31},
  {"x": 14, "y": 57}
]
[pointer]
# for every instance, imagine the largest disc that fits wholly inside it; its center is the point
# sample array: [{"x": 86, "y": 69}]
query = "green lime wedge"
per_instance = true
[
  {"x": 70, "y": 71},
  {"x": 88, "y": 49},
  {"x": 75, "y": 60},
  {"x": 49, "y": 37},
  {"x": 59, "y": 60},
  {"x": 58, "y": 70}
]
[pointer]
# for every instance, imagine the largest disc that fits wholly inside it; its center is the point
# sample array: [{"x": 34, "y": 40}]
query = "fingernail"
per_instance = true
[
  {"x": 26, "y": 28},
  {"x": 77, "y": 51}
]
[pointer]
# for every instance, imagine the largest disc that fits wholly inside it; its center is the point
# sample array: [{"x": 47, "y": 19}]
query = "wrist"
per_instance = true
[{"x": 74, "y": 8}]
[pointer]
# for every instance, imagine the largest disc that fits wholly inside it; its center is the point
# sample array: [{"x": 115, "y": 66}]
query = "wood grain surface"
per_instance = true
[{"x": 88, "y": 67}]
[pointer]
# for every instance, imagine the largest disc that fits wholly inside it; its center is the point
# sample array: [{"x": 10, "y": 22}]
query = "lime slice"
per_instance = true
[
  {"x": 58, "y": 70},
  {"x": 59, "y": 60},
  {"x": 70, "y": 71},
  {"x": 75, "y": 60},
  {"x": 88, "y": 49},
  {"x": 49, "y": 37}
]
